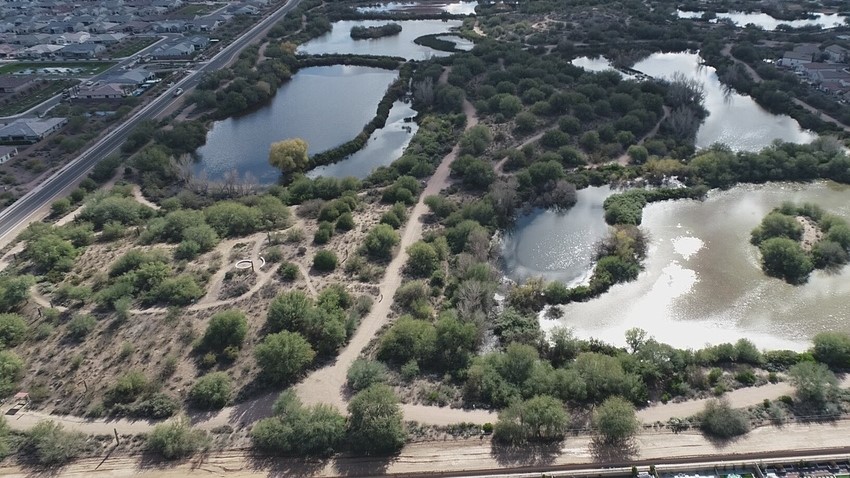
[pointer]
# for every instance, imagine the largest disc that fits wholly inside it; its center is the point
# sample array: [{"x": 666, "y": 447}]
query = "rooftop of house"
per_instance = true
[{"x": 29, "y": 127}]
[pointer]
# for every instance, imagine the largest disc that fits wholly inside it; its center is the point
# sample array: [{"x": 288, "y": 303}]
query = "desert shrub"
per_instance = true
[
  {"x": 176, "y": 439},
  {"x": 212, "y": 391}
]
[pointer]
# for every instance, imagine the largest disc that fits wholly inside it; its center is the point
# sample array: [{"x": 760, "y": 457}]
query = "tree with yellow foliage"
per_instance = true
[{"x": 289, "y": 155}]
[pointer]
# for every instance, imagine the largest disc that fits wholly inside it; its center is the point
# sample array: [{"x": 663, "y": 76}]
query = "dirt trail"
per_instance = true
[
  {"x": 326, "y": 384},
  {"x": 137, "y": 193},
  {"x": 443, "y": 416},
  {"x": 623, "y": 160},
  {"x": 740, "y": 398},
  {"x": 458, "y": 456},
  {"x": 499, "y": 167}
]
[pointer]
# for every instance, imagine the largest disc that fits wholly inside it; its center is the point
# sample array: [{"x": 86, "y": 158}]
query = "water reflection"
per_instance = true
[
  {"x": 455, "y": 8},
  {"x": 703, "y": 284},
  {"x": 766, "y": 22},
  {"x": 557, "y": 245},
  {"x": 385, "y": 146},
  {"x": 338, "y": 40},
  {"x": 733, "y": 119},
  {"x": 325, "y": 105}
]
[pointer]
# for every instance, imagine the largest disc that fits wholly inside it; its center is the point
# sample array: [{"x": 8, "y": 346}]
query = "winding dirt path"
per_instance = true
[
  {"x": 740, "y": 398},
  {"x": 623, "y": 160},
  {"x": 326, "y": 384}
]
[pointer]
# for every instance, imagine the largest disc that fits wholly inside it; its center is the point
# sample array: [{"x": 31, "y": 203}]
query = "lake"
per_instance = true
[
  {"x": 557, "y": 245},
  {"x": 733, "y": 119},
  {"x": 702, "y": 281},
  {"x": 338, "y": 40},
  {"x": 385, "y": 146},
  {"x": 326, "y": 106},
  {"x": 767, "y": 22},
  {"x": 455, "y": 8}
]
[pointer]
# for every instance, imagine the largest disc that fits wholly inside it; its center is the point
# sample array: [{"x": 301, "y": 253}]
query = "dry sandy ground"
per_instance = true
[{"x": 469, "y": 455}]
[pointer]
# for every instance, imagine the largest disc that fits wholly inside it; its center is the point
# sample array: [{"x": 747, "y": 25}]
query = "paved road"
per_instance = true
[{"x": 25, "y": 209}]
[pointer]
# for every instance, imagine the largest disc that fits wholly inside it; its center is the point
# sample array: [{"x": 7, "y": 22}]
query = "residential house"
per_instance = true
[
  {"x": 181, "y": 47},
  {"x": 837, "y": 53},
  {"x": 169, "y": 26},
  {"x": 814, "y": 71},
  {"x": 134, "y": 77},
  {"x": 203, "y": 24},
  {"x": 16, "y": 83},
  {"x": 39, "y": 51},
  {"x": 109, "y": 91},
  {"x": 30, "y": 130},
  {"x": 71, "y": 38},
  {"x": 793, "y": 59},
  {"x": 8, "y": 51},
  {"x": 7, "y": 153},
  {"x": 108, "y": 38},
  {"x": 82, "y": 50}
]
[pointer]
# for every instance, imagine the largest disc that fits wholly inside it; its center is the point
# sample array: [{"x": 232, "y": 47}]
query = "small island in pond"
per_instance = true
[
  {"x": 794, "y": 240},
  {"x": 365, "y": 33}
]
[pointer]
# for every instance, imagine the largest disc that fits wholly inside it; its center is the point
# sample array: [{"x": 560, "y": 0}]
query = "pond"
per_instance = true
[
  {"x": 733, "y": 119},
  {"x": 454, "y": 8},
  {"x": 557, "y": 245},
  {"x": 385, "y": 146},
  {"x": 338, "y": 40},
  {"x": 767, "y": 22},
  {"x": 326, "y": 106},
  {"x": 702, "y": 281}
]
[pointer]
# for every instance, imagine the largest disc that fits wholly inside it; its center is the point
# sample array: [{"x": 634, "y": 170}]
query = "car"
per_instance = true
[{"x": 178, "y": 92}]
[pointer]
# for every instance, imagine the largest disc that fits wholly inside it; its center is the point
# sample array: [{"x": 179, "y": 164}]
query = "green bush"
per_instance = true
[
  {"x": 283, "y": 356},
  {"x": 11, "y": 372},
  {"x": 325, "y": 261},
  {"x": 13, "y": 330},
  {"x": 720, "y": 420},
  {"x": 80, "y": 326},
  {"x": 375, "y": 422},
  {"x": 364, "y": 373},
  {"x": 225, "y": 329},
  {"x": 49, "y": 444},
  {"x": 212, "y": 391},
  {"x": 176, "y": 439}
]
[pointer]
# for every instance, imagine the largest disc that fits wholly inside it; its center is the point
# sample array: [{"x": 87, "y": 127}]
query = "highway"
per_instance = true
[{"x": 25, "y": 209}]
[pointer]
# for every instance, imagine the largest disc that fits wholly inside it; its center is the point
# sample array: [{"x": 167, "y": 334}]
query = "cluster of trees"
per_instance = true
[
  {"x": 374, "y": 426},
  {"x": 149, "y": 276},
  {"x": 429, "y": 145},
  {"x": 299, "y": 328},
  {"x": 364, "y": 33},
  {"x": 779, "y": 237},
  {"x": 627, "y": 208},
  {"x": 720, "y": 167}
]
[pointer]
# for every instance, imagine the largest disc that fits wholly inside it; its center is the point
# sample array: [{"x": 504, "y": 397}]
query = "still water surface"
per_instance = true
[
  {"x": 557, "y": 245},
  {"x": 326, "y": 106},
  {"x": 385, "y": 146},
  {"x": 766, "y": 22},
  {"x": 733, "y": 119},
  {"x": 338, "y": 40},
  {"x": 455, "y": 8},
  {"x": 702, "y": 281}
]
